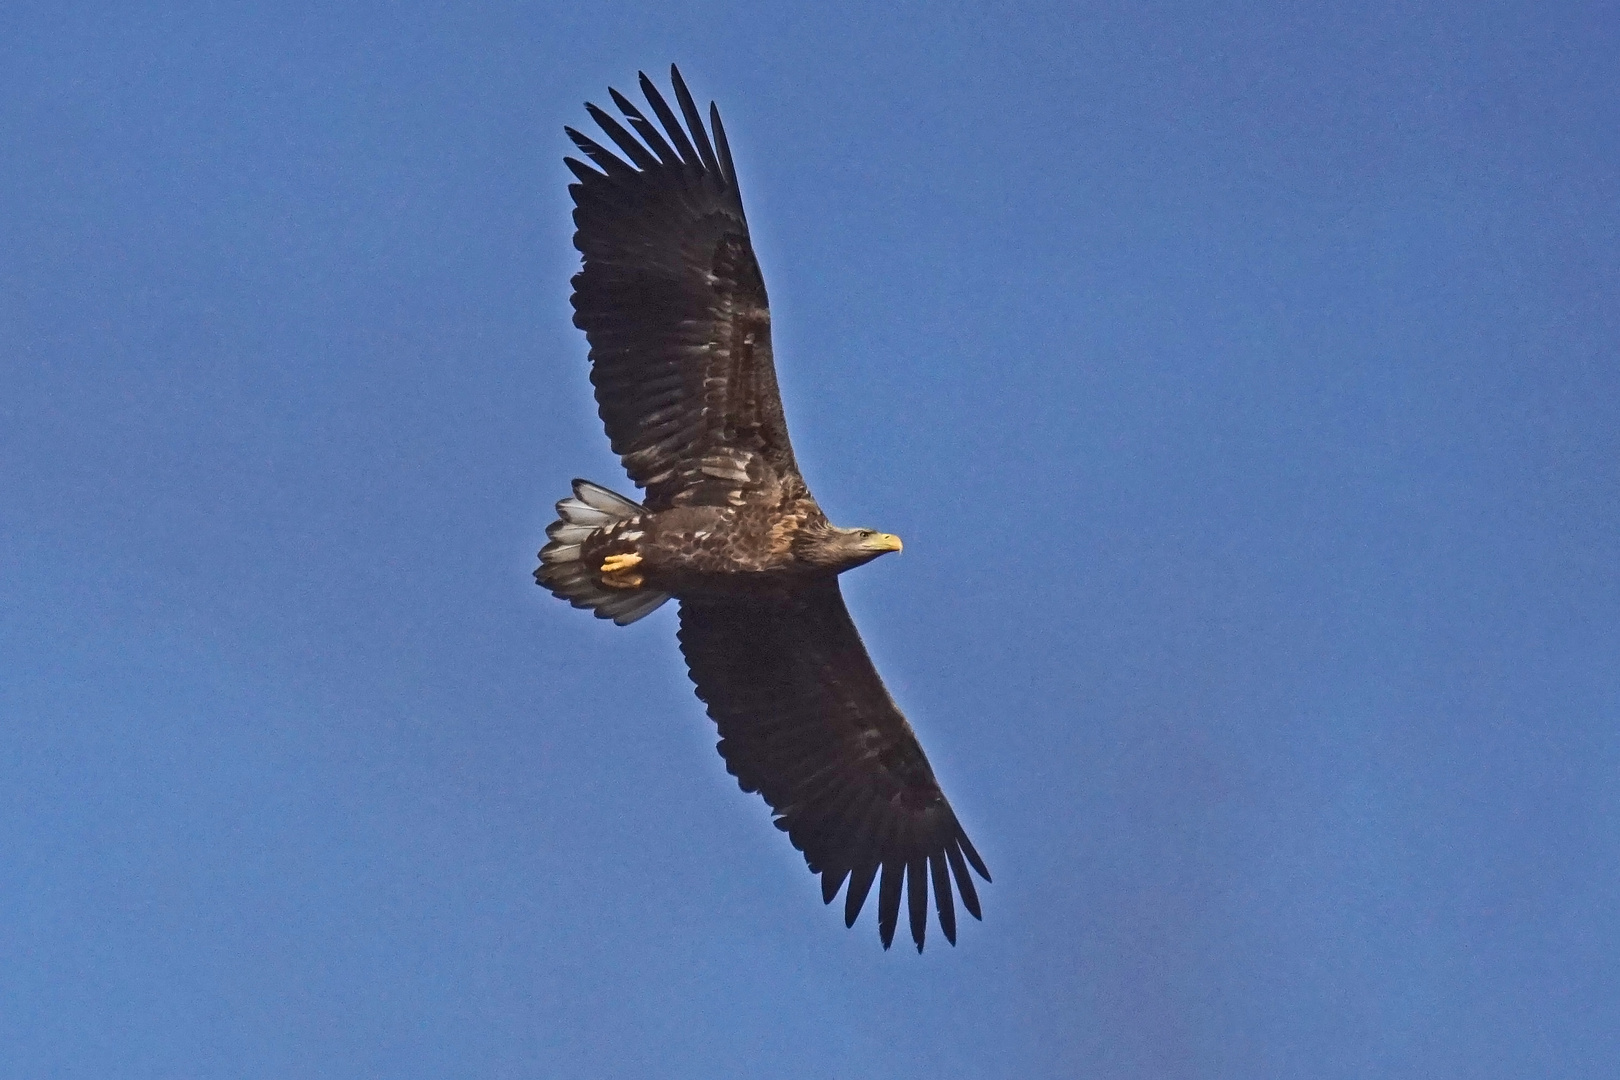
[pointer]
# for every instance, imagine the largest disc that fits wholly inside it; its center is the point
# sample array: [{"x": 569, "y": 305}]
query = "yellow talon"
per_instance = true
[{"x": 613, "y": 564}]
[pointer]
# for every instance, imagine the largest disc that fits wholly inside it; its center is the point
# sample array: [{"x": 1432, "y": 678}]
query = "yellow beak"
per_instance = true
[{"x": 885, "y": 542}]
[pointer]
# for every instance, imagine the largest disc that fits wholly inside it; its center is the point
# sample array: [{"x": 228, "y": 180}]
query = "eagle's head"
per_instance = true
[{"x": 844, "y": 549}]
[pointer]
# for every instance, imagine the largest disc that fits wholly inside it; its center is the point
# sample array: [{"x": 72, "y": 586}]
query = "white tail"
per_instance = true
[{"x": 592, "y": 509}]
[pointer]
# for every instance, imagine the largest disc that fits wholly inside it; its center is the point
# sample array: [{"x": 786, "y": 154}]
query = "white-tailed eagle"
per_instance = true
[{"x": 673, "y": 305}]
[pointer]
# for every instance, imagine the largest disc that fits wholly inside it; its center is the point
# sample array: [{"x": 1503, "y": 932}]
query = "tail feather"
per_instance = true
[
  {"x": 589, "y": 496},
  {"x": 592, "y": 509}
]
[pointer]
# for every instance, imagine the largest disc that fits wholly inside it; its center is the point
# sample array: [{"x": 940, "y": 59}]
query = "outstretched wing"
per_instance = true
[
  {"x": 673, "y": 304},
  {"x": 806, "y": 722}
]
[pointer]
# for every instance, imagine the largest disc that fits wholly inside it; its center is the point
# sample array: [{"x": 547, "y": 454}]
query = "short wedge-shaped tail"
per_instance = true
[{"x": 589, "y": 516}]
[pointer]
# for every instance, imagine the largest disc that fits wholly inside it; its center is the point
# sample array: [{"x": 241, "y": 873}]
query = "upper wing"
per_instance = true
[
  {"x": 673, "y": 304},
  {"x": 806, "y": 722}
]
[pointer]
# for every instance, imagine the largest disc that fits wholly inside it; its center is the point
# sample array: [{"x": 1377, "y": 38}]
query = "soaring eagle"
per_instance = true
[{"x": 673, "y": 305}]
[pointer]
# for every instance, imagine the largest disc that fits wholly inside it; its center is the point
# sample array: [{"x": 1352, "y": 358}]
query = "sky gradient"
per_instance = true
[{"x": 1243, "y": 379}]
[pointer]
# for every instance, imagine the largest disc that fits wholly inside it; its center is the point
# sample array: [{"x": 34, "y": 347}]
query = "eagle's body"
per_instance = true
[{"x": 673, "y": 304}]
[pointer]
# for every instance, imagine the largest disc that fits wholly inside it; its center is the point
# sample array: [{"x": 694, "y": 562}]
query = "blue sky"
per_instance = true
[{"x": 1244, "y": 380}]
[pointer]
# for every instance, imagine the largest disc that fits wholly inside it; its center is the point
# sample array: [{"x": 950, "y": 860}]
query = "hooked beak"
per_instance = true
[{"x": 885, "y": 542}]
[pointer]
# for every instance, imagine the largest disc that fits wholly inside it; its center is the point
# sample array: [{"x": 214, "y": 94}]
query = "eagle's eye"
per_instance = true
[{"x": 866, "y": 534}]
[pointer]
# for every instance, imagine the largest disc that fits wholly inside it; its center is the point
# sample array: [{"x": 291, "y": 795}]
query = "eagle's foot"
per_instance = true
[{"x": 617, "y": 571}]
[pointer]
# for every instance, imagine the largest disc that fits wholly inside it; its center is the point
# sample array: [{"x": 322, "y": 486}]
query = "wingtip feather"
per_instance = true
[
  {"x": 694, "y": 121},
  {"x": 964, "y": 881},
  {"x": 860, "y": 885},
  {"x": 917, "y": 899},
  {"x": 972, "y": 855},
  {"x": 944, "y": 906},
  {"x": 889, "y": 900},
  {"x": 831, "y": 882}
]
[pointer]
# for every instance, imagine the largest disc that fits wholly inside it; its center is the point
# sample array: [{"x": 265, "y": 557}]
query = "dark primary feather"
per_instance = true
[
  {"x": 674, "y": 306},
  {"x": 694, "y": 120},
  {"x": 805, "y": 721}
]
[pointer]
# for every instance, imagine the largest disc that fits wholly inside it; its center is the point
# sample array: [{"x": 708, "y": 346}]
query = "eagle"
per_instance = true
[{"x": 673, "y": 305}]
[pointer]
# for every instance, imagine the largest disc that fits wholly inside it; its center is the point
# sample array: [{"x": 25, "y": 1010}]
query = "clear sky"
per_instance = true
[{"x": 1243, "y": 378}]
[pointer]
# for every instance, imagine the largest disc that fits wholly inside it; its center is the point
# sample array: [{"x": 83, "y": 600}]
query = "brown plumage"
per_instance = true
[{"x": 674, "y": 307}]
